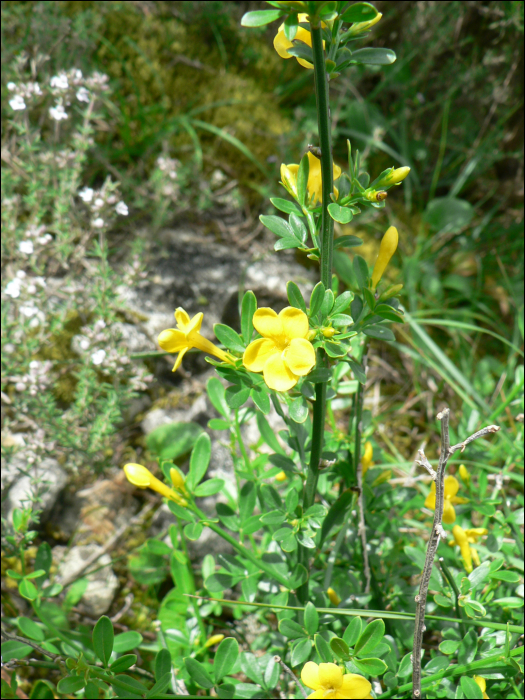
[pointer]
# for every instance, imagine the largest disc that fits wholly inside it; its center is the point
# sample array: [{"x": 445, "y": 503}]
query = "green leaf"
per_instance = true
[
  {"x": 248, "y": 308},
  {"x": 341, "y": 304},
  {"x": 228, "y": 337},
  {"x": 237, "y": 396},
  {"x": 359, "y": 12},
  {"x": 480, "y": 574},
  {"x": 340, "y": 648},
  {"x": 125, "y": 662},
  {"x": 369, "y": 298},
  {"x": 103, "y": 637},
  {"x": 218, "y": 424},
  {"x": 208, "y": 488},
  {"x": 198, "y": 673},
  {"x": 285, "y": 206},
  {"x": 353, "y": 631},
  {"x": 335, "y": 349},
  {"x": 172, "y": 440},
  {"x": 199, "y": 461},
  {"x": 268, "y": 434},
  {"x": 291, "y": 629},
  {"x": 261, "y": 399},
  {"x": 289, "y": 544},
  {"x": 247, "y": 500},
  {"x": 347, "y": 241},
  {"x": 405, "y": 667},
  {"x": 448, "y": 214},
  {"x": 508, "y": 576},
  {"x": 302, "y": 179},
  {"x": 287, "y": 243},
  {"x": 277, "y": 225},
  {"x": 379, "y": 332},
  {"x": 258, "y": 18},
  {"x": 193, "y": 531},
  {"x": 470, "y": 688},
  {"x": 274, "y": 517},
  {"x": 13, "y": 649},
  {"x": 358, "y": 370},
  {"x": 319, "y": 375},
  {"x": 298, "y": 227},
  {"x": 335, "y": 517},
  {"x": 216, "y": 583},
  {"x": 298, "y": 577},
  {"x": 328, "y": 303},
  {"x": 227, "y": 516},
  {"x": 295, "y": 297},
  {"x": 323, "y": 649},
  {"x": 370, "y": 637},
  {"x": 316, "y": 298},
  {"x": 301, "y": 651},
  {"x": 225, "y": 658},
  {"x": 372, "y": 667},
  {"x": 298, "y": 410},
  {"x": 216, "y": 391},
  {"x": 360, "y": 271},
  {"x": 389, "y": 313},
  {"x": 283, "y": 462},
  {"x": 303, "y": 51},
  {"x": 449, "y": 646},
  {"x": 443, "y": 601},
  {"x": 311, "y": 618},
  {"x": 343, "y": 215},
  {"x": 373, "y": 57},
  {"x": 270, "y": 497}
]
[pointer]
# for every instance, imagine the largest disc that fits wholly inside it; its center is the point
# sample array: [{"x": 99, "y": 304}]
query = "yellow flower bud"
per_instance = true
[
  {"x": 311, "y": 334},
  {"x": 215, "y": 639},
  {"x": 334, "y": 598},
  {"x": 366, "y": 460},
  {"x": 360, "y": 27},
  {"x": 329, "y": 332},
  {"x": 386, "y": 251},
  {"x": 141, "y": 477},
  {"x": 465, "y": 476},
  {"x": 281, "y": 476},
  {"x": 398, "y": 175}
]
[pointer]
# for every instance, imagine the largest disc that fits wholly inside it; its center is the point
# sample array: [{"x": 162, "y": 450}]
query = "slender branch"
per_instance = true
[
  {"x": 290, "y": 673},
  {"x": 435, "y": 536}
]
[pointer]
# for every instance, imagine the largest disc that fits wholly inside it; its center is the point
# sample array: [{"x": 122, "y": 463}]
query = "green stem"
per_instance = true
[
  {"x": 246, "y": 459},
  {"x": 453, "y": 585}
]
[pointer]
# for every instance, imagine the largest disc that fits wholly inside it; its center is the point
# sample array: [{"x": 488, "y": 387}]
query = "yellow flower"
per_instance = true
[
  {"x": 465, "y": 476},
  {"x": 334, "y": 598},
  {"x": 360, "y": 27},
  {"x": 328, "y": 681},
  {"x": 281, "y": 476},
  {"x": 463, "y": 539},
  {"x": 283, "y": 354},
  {"x": 315, "y": 186},
  {"x": 386, "y": 250},
  {"x": 482, "y": 685},
  {"x": 366, "y": 461},
  {"x": 394, "y": 177},
  {"x": 451, "y": 489},
  {"x": 139, "y": 476},
  {"x": 281, "y": 43},
  {"x": 214, "y": 639},
  {"x": 187, "y": 336}
]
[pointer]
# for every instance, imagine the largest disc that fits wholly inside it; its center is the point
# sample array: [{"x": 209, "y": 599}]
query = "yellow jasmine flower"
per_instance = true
[
  {"x": 386, "y": 250},
  {"x": 283, "y": 354},
  {"x": 315, "y": 186},
  {"x": 463, "y": 539},
  {"x": 465, "y": 476},
  {"x": 187, "y": 336},
  {"x": 334, "y": 598},
  {"x": 281, "y": 476},
  {"x": 328, "y": 681},
  {"x": 214, "y": 639},
  {"x": 482, "y": 685},
  {"x": 281, "y": 43},
  {"x": 366, "y": 460},
  {"x": 139, "y": 476},
  {"x": 360, "y": 27},
  {"x": 451, "y": 489}
]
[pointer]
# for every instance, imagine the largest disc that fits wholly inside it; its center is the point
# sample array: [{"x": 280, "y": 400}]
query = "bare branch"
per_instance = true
[
  {"x": 290, "y": 673},
  {"x": 423, "y": 462}
]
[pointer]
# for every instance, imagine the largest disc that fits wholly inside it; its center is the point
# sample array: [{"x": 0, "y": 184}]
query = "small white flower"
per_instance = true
[
  {"x": 58, "y": 113},
  {"x": 83, "y": 95},
  {"x": 77, "y": 74},
  {"x": 98, "y": 203},
  {"x": 21, "y": 274},
  {"x": 59, "y": 81},
  {"x": 17, "y": 103},
  {"x": 97, "y": 358},
  {"x": 86, "y": 194},
  {"x": 84, "y": 344},
  {"x": 28, "y": 311},
  {"x": 11, "y": 86},
  {"x": 98, "y": 223},
  {"x": 20, "y": 386},
  {"x": 26, "y": 247},
  {"x": 44, "y": 240},
  {"x": 12, "y": 288},
  {"x": 122, "y": 208}
]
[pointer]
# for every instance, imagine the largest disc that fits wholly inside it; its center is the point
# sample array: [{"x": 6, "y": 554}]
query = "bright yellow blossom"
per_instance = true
[
  {"x": 366, "y": 460},
  {"x": 214, "y": 639},
  {"x": 328, "y": 681},
  {"x": 451, "y": 489},
  {"x": 187, "y": 336},
  {"x": 139, "y": 476},
  {"x": 281, "y": 43},
  {"x": 482, "y": 684},
  {"x": 283, "y": 354},
  {"x": 465, "y": 476},
  {"x": 315, "y": 186},
  {"x": 281, "y": 476},
  {"x": 332, "y": 595},
  {"x": 463, "y": 539},
  {"x": 386, "y": 250}
]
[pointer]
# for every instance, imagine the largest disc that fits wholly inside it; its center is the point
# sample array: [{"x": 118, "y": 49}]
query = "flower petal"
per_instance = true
[
  {"x": 330, "y": 676},
  {"x": 294, "y": 323},
  {"x": 281, "y": 44},
  {"x": 310, "y": 675},
  {"x": 354, "y": 686},
  {"x": 258, "y": 353},
  {"x": 300, "y": 356},
  {"x": 430, "y": 500},
  {"x": 269, "y": 325},
  {"x": 316, "y": 694},
  {"x": 195, "y": 324},
  {"x": 179, "y": 359},
  {"x": 449, "y": 514},
  {"x": 451, "y": 486},
  {"x": 172, "y": 340},
  {"x": 182, "y": 318},
  {"x": 277, "y": 375}
]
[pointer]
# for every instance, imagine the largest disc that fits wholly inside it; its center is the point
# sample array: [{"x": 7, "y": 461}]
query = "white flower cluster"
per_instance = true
[
  {"x": 23, "y": 285},
  {"x": 35, "y": 237},
  {"x": 102, "y": 203},
  {"x": 24, "y": 94},
  {"x": 168, "y": 166},
  {"x": 37, "y": 378}
]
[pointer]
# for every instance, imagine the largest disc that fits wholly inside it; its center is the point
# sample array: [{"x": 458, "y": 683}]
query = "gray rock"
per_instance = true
[{"x": 45, "y": 480}]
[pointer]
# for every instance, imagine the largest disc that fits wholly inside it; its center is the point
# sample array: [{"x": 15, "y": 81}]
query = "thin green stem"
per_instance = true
[
  {"x": 451, "y": 582},
  {"x": 246, "y": 459}
]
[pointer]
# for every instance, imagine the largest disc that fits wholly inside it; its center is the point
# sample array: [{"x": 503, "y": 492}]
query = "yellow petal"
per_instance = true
[
  {"x": 330, "y": 676},
  {"x": 458, "y": 500},
  {"x": 281, "y": 43},
  {"x": 195, "y": 324},
  {"x": 354, "y": 686},
  {"x": 449, "y": 514},
  {"x": 172, "y": 340},
  {"x": 464, "y": 474},
  {"x": 333, "y": 597},
  {"x": 317, "y": 694},
  {"x": 475, "y": 556},
  {"x": 300, "y": 356},
  {"x": 269, "y": 325},
  {"x": 258, "y": 353},
  {"x": 451, "y": 486},
  {"x": 475, "y": 533},
  {"x": 137, "y": 475},
  {"x": 467, "y": 558},
  {"x": 430, "y": 500},
  {"x": 277, "y": 375},
  {"x": 281, "y": 476},
  {"x": 179, "y": 359},
  {"x": 289, "y": 177},
  {"x": 182, "y": 318},
  {"x": 481, "y": 682},
  {"x": 176, "y": 479},
  {"x": 368, "y": 454},
  {"x": 304, "y": 64},
  {"x": 310, "y": 675},
  {"x": 459, "y": 534},
  {"x": 386, "y": 251},
  {"x": 294, "y": 323}
]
